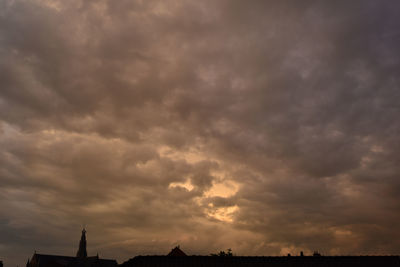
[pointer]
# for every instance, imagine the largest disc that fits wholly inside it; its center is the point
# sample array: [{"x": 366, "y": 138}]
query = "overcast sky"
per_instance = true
[{"x": 267, "y": 127}]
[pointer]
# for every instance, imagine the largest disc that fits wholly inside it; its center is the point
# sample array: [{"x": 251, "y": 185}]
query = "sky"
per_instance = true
[{"x": 267, "y": 127}]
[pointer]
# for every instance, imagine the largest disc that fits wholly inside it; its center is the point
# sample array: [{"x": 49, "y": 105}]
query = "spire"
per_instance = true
[{"x": 82, "y": 246}]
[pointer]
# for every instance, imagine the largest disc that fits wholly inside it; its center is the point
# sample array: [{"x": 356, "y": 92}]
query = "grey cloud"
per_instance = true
[{"x": 128, "y": 116}]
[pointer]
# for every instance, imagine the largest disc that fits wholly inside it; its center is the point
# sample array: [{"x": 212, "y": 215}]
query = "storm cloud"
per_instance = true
[{"x": 267, "y": 127}]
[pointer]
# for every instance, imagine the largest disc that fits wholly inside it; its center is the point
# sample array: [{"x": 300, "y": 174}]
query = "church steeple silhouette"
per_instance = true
[{"x": 82, "y": 253}]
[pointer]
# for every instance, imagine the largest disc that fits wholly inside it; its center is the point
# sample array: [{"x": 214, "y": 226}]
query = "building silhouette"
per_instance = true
[
  {"x": 81, "y": 259},
  {"x": 177, "y": 252},
  {"x": 177, "y": 258},
  {"x": 256, "y": 261},
  {"x": 82, "y": 253}
]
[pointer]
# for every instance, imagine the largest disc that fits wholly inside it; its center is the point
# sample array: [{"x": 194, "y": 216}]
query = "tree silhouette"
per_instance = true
[{"x": 222, "y": 253}]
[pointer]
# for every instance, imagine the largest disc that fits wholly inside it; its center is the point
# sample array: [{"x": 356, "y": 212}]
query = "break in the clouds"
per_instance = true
[{"x": 268, "y": 127}]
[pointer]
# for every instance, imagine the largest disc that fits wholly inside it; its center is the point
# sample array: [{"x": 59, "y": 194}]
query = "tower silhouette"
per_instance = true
[{"x": 82, "y": 253}]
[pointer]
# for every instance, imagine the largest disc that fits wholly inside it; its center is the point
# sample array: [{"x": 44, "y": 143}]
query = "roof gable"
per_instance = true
[{"x": 176, "y": 252}]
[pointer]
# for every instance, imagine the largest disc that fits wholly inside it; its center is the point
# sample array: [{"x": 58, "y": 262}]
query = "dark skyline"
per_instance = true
[{"x": 268, "y": 127}]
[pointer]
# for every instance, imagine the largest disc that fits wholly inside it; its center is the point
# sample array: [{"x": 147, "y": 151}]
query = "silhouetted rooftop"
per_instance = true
[
  {"x": 42, "y": 260},
  {"x": 176, "y": 252},
  {"x": 215, "y": 261}
]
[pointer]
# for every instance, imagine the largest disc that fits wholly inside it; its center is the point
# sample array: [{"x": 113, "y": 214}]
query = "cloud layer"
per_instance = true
[{"x": 267, "y": 127}]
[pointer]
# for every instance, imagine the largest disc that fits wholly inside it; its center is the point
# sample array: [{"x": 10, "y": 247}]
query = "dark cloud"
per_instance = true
[{"x": 265, "y": 127}]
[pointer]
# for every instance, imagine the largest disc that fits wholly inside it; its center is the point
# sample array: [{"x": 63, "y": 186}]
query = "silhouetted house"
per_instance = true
[
  {"x": 81, "y": 259},
  {"x": 41, "y": 260},
  {"x": 176, "y": 252}
]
